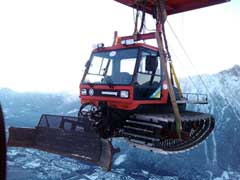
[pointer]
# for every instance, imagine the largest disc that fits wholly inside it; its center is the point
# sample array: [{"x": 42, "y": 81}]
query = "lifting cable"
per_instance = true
[
  {"x": 135, "y": 32},
  {"x": 200, "y": 77},
  {"x": 173, "y": 75},
  {"x": 168, "y": 53},
  {"x": 189, "y": 77},
  {"x": 143, "y": 16},
  {"x": 136, "y": 17},
  {"x": 189, "y": 59}
]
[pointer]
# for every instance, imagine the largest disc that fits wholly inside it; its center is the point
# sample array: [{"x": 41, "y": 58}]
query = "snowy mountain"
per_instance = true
[
  {"x": 25, "y": 109},
  {"x": 224, "y": 102},
  {"x": 216, "y": 158}
]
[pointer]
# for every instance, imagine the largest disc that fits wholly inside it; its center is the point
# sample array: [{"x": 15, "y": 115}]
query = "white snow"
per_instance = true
[
  {"x": 92, "y": 176},
  {"x": 145, "y": 172},
  {"x": 69, "y": 97},
  {"x": 206, "y": 152},
  {"x": 84, "y": 157},
  {"x": 120, "y": 159},
  {"x": 33, "y": 164},
  {"x": 225, "y": 175},
  {"x": 218, "y": 178},
  {"x": 73, "y": 111},
  {"x": 214, "y": 148},
  {"x": 12, "y": 152},
  {"x": 10, "y": 163}
]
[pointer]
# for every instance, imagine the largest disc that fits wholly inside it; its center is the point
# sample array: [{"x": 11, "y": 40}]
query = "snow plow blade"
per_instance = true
[{"x": 65, "y": 136}]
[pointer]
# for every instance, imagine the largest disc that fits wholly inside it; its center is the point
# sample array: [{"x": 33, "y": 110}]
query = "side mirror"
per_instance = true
[{"x": 151, "y": 63}]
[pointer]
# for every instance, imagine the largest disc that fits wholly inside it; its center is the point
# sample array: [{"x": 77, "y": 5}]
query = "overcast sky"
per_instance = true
[{"x": 44, "y": 44}]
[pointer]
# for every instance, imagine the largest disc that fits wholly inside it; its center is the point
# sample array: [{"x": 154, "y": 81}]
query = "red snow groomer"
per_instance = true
[{"x": 127, "y": 91}]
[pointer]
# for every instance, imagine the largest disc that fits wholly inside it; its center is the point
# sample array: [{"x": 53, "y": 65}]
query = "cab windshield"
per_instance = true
[{"x": 111, "y": 67}]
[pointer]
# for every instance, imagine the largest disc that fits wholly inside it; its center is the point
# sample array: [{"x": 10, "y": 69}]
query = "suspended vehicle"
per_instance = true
[{"x": 127, "y": 91}]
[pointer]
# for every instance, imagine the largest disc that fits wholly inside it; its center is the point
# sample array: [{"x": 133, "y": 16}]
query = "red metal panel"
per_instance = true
[
  {"x": 119, "y": 46},
  {"x": 173, "y": 6},
  {"x": 125, "y": 104},
  {"x": 140, "y": 37}
]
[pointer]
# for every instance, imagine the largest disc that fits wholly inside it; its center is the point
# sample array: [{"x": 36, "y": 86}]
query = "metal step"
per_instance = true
[
  {"x": 143, "y": 123},
  {"x": 134, "y": 136},
  {"x": 138, "y": 129}
]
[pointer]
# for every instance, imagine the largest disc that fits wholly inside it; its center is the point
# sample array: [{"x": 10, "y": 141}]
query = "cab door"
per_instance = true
[{"x": 149, "y": 76}]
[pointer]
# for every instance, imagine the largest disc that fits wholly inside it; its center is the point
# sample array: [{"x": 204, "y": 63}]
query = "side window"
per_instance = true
[
  {"x": 144, "y": 76},
  {"x": 157, "y": 77},
  {"x": 142, "y": 67},
  {"x": 128, "y": 65}
]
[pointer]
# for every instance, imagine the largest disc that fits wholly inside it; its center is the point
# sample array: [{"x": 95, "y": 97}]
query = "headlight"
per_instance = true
[
  {"x": 128, "y": 42},
  {"x": 124, "y": 94},
  {"x": 83, "y": 92},
  {"x": 100, "y": 45}
]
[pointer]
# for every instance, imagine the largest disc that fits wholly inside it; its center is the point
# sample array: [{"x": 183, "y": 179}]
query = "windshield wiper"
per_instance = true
[{"x": 108, "y": 81}]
